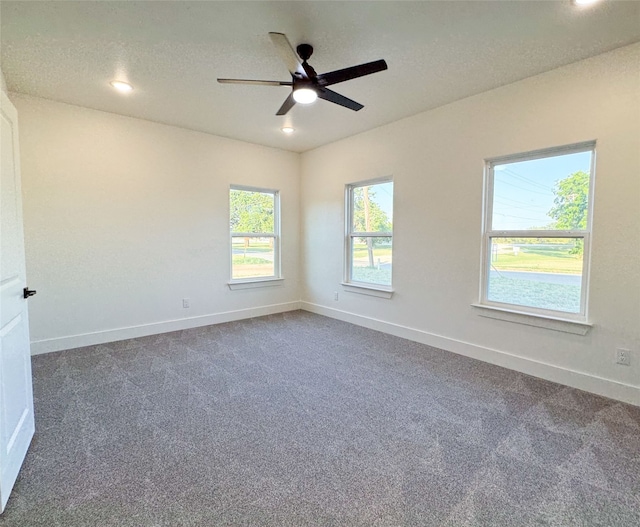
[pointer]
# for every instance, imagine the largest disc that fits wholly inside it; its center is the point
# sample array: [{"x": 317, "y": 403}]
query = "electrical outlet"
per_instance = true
[
  {"x": 335, "y": 295},
  {"x": 623, "y": 357},
  {"x": 185, "y": 303}
]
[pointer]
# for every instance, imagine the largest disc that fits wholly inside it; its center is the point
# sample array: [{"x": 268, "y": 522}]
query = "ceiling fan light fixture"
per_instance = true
[{"x": 305, "y": 95}]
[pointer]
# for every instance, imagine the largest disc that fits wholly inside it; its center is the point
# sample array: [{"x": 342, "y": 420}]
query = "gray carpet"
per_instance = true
[{"x": 297, "y": 419}]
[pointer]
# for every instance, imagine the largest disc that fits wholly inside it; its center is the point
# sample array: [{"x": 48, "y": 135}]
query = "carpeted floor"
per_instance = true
[{"x": 297, "y": 419}]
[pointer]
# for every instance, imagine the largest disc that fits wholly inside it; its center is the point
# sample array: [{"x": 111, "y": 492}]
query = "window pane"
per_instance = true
[
  {"x": 252, "y": 257},
  {"x": 548, "y": 193},
  {"x": 373, "y": 208},
  {"x": 251, "y": 211},
  {"x": 371, "y": 260},
  {"x": 544, "y": 273}
]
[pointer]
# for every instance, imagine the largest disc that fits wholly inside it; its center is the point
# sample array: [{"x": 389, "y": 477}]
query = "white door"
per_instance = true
[{"x": 16, "y": 395}]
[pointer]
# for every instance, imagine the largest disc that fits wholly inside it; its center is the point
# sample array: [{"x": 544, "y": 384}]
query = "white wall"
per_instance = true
[
  {"x": 436, "y": 160},
  {"x": 124, "y": 218}
]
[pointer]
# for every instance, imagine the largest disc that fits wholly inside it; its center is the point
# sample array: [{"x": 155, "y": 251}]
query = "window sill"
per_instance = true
[
  {"x": 255, "y": 282},
  {"x": 379, "y": 291},
  {"x": 529, "y": 319}
]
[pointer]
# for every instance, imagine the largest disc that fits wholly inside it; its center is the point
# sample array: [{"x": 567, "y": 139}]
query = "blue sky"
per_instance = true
[
  {"x": 384, "y": 197},
  {"x": 523, "y": 192}
]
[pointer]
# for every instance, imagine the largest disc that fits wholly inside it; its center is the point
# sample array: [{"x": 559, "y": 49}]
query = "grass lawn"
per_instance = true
[
  {"x": 240, "y": 259},
  {"x": 360, "y": 251},
  {"x": 538, "y": 260},
  {"x": 253, "y": 247},
  {"x": 380, "y": 273}
]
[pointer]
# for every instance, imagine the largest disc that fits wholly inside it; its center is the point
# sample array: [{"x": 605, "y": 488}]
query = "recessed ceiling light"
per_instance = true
[
  {"x": 288, "y": 130},
  {"x": 121, "y": 86},
  {"x": 583, "y": 2},
  {"x": 305, "y": 95}
]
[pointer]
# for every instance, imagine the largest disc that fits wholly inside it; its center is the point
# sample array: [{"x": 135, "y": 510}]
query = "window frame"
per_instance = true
[
  {"x": 371, "y": 288},
  {"x": 488, "y": 233},
  {"x": 275, "y": 235}
]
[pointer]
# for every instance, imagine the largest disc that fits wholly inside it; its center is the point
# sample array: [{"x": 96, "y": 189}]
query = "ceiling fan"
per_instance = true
[{"x": 306, "y": 84}]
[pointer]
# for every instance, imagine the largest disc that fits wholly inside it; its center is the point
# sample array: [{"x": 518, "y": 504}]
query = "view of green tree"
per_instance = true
[
  {"x": 251, "y": 211},
  {"x": 572, "y": 194},
  {"x": 571, "y": 204},
  {"x": 368, "y": 216}
]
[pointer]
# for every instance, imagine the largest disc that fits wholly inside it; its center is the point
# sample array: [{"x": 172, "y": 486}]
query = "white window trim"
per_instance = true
[
  {"x": 363, "y": 288},
  {"x": 253, "y": 283},
  {"x": 354, "y": 286},
  {"x": 529, "y": 319},
  {"x": 521, "y": 313},
  {"x": 259, "y": 281}
]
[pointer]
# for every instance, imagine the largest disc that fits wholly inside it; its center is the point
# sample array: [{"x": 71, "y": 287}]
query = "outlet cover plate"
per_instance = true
[{"x": 623, "y": 356}]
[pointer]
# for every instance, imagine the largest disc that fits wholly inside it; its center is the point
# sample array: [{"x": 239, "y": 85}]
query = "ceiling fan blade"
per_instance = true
[
  {"x": 287, "y": 53},
  {"x": 260, "y": 83},
  {"x": 286, "y": 105},
  {"x": 331, "y": 96},
  {"x": 334, "y": 77},
  {"x": 310, "y": 72}
]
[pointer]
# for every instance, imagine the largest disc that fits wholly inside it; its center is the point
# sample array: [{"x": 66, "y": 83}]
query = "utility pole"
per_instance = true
[{"x": 367, "y": 223}]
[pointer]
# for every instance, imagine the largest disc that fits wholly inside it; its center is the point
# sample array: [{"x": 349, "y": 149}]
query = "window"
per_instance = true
[
  {"x": 537, "y": 230},
  {"x": 369, "y": 217},
  {"x": 255, "y": 233}
]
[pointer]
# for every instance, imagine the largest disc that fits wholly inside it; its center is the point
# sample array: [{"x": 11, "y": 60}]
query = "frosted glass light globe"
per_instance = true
[{"x": 304, "y": 95}]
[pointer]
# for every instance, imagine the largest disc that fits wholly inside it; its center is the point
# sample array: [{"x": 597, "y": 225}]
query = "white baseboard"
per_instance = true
[
  {"x": 583, "y": 381},
  {"x": 100, "y": 337},
  {"x": 606, "y": 387}
]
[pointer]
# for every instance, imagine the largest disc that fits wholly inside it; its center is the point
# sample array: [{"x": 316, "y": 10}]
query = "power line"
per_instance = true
[
  {"x": 517, "y": 201},
  {"x": 526, "y": 179},
  {"x": 529, "y": 207},
  {"x": 524, "y": 189},
  {"x": 517, "y": 217}
]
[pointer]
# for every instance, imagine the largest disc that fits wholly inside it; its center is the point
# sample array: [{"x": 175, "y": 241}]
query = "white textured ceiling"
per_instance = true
[{"x": 172, "y": 52}]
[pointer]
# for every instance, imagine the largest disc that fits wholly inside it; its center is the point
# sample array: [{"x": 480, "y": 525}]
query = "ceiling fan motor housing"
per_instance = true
[{"x": 305, "y": 51}]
